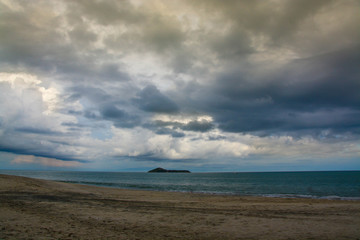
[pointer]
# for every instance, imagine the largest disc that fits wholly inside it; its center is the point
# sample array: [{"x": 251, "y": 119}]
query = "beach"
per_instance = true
[{"x": 40, "y": 209}]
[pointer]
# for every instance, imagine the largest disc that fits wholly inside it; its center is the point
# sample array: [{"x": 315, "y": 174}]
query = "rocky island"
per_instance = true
[{"x": 162, "y": 170}]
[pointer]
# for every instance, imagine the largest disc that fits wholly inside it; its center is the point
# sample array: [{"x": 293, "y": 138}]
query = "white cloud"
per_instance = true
[{"x": 25, "y": 95}]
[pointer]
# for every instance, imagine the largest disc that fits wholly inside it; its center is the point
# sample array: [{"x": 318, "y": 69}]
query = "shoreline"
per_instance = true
[
  {"x": 347, "y": 196},
  {"x": 290, "y": 196},
  {"x": 33, "y": 208}
]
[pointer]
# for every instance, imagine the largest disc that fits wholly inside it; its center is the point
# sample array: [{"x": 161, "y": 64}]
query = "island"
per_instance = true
[{"x": 162, "y": 170}]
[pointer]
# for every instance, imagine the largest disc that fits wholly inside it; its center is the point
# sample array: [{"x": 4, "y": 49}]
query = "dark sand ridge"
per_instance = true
[{"x": 39, "y": 209}]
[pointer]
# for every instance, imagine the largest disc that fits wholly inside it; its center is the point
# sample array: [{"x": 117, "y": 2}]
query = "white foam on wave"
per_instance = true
[{"x": 311, "y": 197}]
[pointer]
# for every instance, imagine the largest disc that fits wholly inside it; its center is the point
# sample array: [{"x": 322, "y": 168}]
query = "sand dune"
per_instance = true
[{"x": 39, "y": 209}]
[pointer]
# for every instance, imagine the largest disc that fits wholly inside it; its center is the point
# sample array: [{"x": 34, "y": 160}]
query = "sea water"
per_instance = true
[{"x": 326, "y": 184}]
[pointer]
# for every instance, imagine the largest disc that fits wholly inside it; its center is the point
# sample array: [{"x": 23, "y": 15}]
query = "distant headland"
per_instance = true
[{"x": 162, "y": 170}]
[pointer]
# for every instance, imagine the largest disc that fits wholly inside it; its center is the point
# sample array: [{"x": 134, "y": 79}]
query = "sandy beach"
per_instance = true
[{"x": 39, "y": 209}]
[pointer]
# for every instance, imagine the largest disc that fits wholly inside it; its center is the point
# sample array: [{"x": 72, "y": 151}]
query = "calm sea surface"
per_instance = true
[{"x": 332, "y": 185}]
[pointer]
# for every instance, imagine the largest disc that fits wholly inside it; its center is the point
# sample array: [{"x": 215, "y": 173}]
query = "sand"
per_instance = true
[{"x": 39, "y": 209}]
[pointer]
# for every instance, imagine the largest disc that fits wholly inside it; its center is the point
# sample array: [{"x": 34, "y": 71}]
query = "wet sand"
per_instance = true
[{"x": 39, "y": 209}]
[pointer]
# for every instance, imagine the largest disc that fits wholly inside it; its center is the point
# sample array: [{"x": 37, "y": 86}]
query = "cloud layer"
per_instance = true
[{"x": 210, "y": 85}]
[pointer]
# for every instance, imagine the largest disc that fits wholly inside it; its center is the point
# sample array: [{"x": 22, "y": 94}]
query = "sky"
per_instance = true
[{"x": 205, "y": 85}]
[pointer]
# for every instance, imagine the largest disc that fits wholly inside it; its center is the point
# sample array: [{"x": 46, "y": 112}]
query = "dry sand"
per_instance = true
[{"x": 39, "y": 209}]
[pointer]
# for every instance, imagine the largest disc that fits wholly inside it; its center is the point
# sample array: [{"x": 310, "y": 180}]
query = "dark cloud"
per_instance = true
[
  {"x": 103, "y": 105},
  {"x": 196, "y": 126},
  {"x": 288, "y": 20},
  {"x": 74, "y": 127},
  {"x": 284, "y": 25},
  {"x": 74, "y": 112},
  {"x": 163, "y": 34},
  {"x": 119, "y": 117},
  {"x": 81, "y": 35},
  {"x": 33, "y": 130},
  {"x": 280, "y": 18},
  {"x": 109, "y": 12},
  {"x": 316, "y": 92},
  {"x": 328, "y": 80},
  {"x": 150, "y": 99},
  {"x": 39, "y": 45},
  {"x": 39, "y": 153},
  {"x": 92, "y": 114},
  {"x": 112, "y": 112},
  {"x": 175, "y": 128},
  {"x": 168, "y": 131},
  {"x": 234, "y": 44},
  {"x": 233, "y": 121},
  {"x": 113, "y": 72}
]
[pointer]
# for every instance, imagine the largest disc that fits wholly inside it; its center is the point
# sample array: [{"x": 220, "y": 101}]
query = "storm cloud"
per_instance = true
[
  {"x": 150, "y": 99},
  {"x": 124, "y": 84}
]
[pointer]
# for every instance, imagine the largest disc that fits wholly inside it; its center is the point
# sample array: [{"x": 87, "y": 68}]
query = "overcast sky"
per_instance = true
[{"x": 205, "y": 85}]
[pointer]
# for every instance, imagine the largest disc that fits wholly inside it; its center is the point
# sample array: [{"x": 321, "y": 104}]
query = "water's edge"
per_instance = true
[
  {"x": 313, "y": 185},
  {"x": 221, "y": 193}
]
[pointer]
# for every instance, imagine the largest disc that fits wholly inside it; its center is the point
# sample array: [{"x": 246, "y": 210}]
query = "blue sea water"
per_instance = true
[{"x": 331, "y": 185}]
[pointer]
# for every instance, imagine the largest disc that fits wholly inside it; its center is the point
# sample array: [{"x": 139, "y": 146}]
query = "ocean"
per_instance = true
[{"x": 324, "y": 184}]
